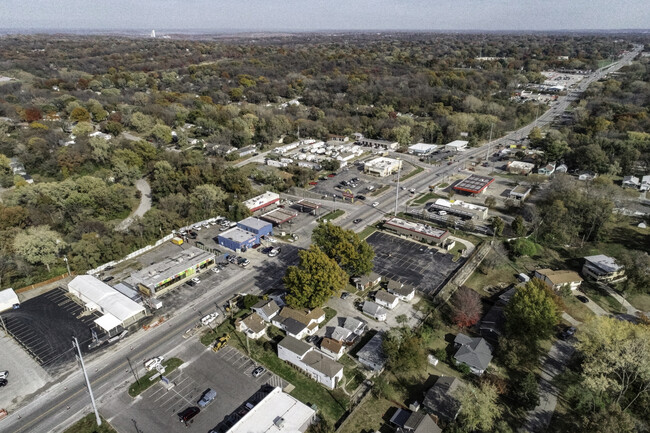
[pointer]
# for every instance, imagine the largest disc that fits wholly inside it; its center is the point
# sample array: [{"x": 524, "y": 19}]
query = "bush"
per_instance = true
[{"x": 463, "y": 368}]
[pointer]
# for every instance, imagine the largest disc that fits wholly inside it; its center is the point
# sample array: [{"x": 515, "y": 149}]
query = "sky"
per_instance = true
[{"x": 319, "y": 15}]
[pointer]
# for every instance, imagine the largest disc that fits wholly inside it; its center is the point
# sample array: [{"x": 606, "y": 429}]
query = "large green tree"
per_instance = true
[
  {"x": 479, "y": 409},
  {"x": 315, "y": 279},
  {"x": 39, "y": 245},
  {"x": 350, "y": 252},
  {"x": 205, "y": 200},
  {"x": 533, "y": 311},
  {"x": 405, "y": 350}
]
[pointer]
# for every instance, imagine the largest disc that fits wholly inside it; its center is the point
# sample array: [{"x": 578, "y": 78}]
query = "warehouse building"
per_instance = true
[
  {"x": 417, "y": 231},
  {"x": 382, "y": 166},
  {"x": 171, "y": 272},
  {"x": 262, "y": 201},
  {"x": 474, "y": 184},
  {"x": 520, "y": 167},
  {"x": 460, "y": 209},
  {"x": 457, "y": 146},
  {"x": 118, "y": 310},
  {"x": 422, "y": 149},
  {"x": 248, "y": 232},
  {"x": 379, "y": 144}
]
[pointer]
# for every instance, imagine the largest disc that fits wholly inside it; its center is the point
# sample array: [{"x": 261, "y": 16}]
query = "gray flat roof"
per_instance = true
[
  {"x": 237, "y": 234},
  {"x": 171, "y": 266},
  {"x": 254, "y": 223}
]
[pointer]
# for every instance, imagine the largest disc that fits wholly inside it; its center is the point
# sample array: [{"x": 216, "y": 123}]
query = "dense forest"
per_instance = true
[{"x": 162, "y": 100}]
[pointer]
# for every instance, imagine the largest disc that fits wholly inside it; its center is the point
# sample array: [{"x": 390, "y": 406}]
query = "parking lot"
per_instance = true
[
  {"x": 228, "y": 372},
  {"x": 424, "y": 267},
  {"x": 44, "y": 325}
]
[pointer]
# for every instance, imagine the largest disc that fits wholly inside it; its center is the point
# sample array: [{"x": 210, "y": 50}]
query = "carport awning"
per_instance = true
[{"x": 108, "y": 322}]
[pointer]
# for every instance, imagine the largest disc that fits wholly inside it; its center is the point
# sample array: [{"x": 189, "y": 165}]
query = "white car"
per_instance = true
[
  {"x": 4, "y": 374},
  {"x": 196, "y": 280},
  {"x": 274, "y": 252},
  {"x": 153, "y": 362},
  {"x": 375, "y": 204},
  {"x": 215, "y": 270},
  {"x": 206, "y": 320},
  {"x": 272, "y": 240}
]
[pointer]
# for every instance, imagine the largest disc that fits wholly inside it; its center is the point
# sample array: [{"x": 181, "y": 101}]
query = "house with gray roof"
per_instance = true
[
  {"x": 372, "y": 354},
  {"x": 405, "y": 293},
  {"x": 313, "y": 363},
  {"x": 386, "y": 299},
  {"x": 266, "y": 308},
  {"x": 440, "y": 399},
  {"x": 374, "y": 310},
  {"x": 476, "y": 353},
  {"x": 406, "y": 421},
  {"x": 365, "y": 282}
]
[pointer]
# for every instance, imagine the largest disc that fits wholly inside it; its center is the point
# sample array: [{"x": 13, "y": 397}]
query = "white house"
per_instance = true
[
  {"x": 252, "y": 325},
  {"x": 332, "y": 348},
  {"x": 299, "y": 324},
  {"x": 316, "y": 365},
  {"x": 631, "y": 182},
  {"x": 386, "y": 299},
  {"x": 476, "y": 353},
  {"x": 266, "y": 309},
  {"x": 375, "y": 311},
  {"x": 404, "y": 293},
  {"x": 559, "y": 279}
]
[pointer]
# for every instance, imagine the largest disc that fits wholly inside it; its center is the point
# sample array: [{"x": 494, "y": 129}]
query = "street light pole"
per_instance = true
[
  {"x": 399, "y": 169},
  {"x": 67, "y": 265},
  {"x": 90, "y": 391}
]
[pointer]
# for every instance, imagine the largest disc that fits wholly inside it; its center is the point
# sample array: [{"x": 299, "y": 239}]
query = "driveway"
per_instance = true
[
  {"x": 553, "y": 364},
  {"x": 594, "y": 307},
  {"x": 145, "y": 204}
]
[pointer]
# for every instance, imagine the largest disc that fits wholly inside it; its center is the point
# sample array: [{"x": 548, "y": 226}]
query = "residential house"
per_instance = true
[
  {"x": 252, "y": 325},
  {"x": 248, "y": 150},
  {"x": 406, "y": 421},
  {"x": 404, "y": 293},
  {"x": 299, "y": 324},
  {"x": 603, "y": 269},
  {"x": 267, "y": 309},
  {"x": 332, "y": 348},
  {"x": 339, "y": 333},
  {"x": 315, "y": 364},
  {"x": 440, "y": 400},
  {"x": 559, "y": 279},
  {"x": 220, "y": 149},
  {"x": 365, "y": 282},
  {"x": 357, "y": 327},
  {"x": 631, "y": 182},
  {"x": 547, "y": 170},
  {"x": 562, "y": 168},
  {"x": 476, "y": 353},
  {"x": 278, "y": 296},
  {"x": 520, "y": 167},
  {"x": 492, "y": 325},
  {"x": 375, "y": 311},
  {"x": 645, "y": 183},
  {"x": 587, "y": 176},
  {"x": 372, "y": 355},
  {"x": 386, "y": 299}
]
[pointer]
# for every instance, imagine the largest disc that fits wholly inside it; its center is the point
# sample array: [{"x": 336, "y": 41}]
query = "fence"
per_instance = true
[
  {"x": 463, "y": 273},
  {"x": 42, "y": 283}
]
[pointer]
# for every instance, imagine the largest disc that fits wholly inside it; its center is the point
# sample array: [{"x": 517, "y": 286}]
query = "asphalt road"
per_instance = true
[{"x": 62, "y": 403}]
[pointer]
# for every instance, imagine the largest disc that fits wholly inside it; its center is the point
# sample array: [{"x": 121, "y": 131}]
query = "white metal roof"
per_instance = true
[
  {"x": 108, "y": 322},
  {"x": 457, "y": 143},
  {"x": 261, "y": 200},
  {"x": 110, "y": 301},
  {"x": 276, "y": 413},
  {"x": 7, "y": 299},
  {"x": 423, "y": 147}
]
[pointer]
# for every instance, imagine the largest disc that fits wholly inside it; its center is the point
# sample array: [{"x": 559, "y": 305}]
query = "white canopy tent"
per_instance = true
[{"x": 8, "y": 299}]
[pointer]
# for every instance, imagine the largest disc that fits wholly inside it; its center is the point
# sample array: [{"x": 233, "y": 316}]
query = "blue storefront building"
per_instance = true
[{"x": 247, "y": 233}]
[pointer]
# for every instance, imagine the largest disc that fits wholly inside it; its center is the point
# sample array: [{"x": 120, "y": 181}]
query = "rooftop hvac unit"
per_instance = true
[{"x": 279, "y": 422}]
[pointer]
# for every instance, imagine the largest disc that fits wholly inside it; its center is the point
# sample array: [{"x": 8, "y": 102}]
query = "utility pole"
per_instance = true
[
  {"x": 67, "y": 265},
  {"x": 75, "y": 343},
  {"x": 137, "y": 379},
  {"x": 399, "y": 169}
]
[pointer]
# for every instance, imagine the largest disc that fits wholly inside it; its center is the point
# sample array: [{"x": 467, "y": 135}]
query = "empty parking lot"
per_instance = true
[{"x": 421, "y": 266}]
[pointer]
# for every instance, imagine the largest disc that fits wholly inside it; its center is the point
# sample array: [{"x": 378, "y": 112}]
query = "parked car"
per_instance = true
[
  {"x": 375, "y": 204},
  {"x": 196, "y": 280},
  {"x": 3, "y": 382},
  {"x": 256, "y": 246},
  {"x": 274, "y": 252},
  {"x": 191, "y": 283},
  {"x": 266, "y": 250},
  {"x": 345, "y": 295},
  {"x": 209, "y": 318},
  {"x": 107, "y": 279},
  {"x": 567, "y": 333},
  {"x": 188, "y": 414},
  {"x": 313, "y": 183},
  {"x": 331, "y": 175},
  {"x": 258, "y": 371},
  {"x": 4, "y": 374},
  {"x": 207, "y": 397},
  {"x": 357, "y": 221},
  {"x": 311, "y": 338},
  {"x": 582, "y": 299},
  {"x": 216, "y": 269}
]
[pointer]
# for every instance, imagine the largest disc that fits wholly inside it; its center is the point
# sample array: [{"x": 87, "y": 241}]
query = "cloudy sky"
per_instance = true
[{"x": 306, "y": 15}]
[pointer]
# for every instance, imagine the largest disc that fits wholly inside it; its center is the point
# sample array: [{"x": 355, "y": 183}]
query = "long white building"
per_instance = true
[{"x": 382, "y": 166}]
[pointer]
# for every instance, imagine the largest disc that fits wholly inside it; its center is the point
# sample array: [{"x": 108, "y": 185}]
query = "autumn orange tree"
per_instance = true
[{"x": 466, "y": 307}]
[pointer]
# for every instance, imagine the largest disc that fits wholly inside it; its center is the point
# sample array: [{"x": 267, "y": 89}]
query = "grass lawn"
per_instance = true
[
  {"x": 639, "y": 300},
  {"x": 379, "y": 190},
  {"x": 329, "y": 313},
  {"x": 332, "y": 215},
  {"x": 88, "y": 424},
  {"x": 502, "y": 276},
  {"x": 170, "y": 365},
  {"x": 226, "y": 327},
  {"x": 367, "y": 232},
  {"x": 577, "y": 309},
  {"x": 426, "y": 197},
  {"x": 417, "y": 171},
  {"x": 368, "y": 417}
]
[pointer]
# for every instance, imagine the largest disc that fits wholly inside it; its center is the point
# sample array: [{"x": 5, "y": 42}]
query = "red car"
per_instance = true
[
  {"x": 313, "y": 183},
  {"x": 331, "y": 175}
]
